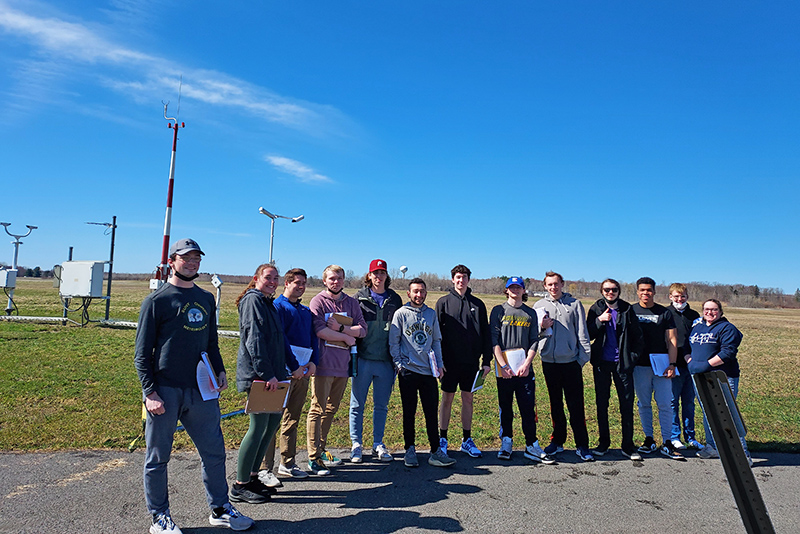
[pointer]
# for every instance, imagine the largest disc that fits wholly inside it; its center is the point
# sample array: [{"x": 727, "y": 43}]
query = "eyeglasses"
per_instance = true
[
  {"x": 610, "y": 289},
  {"x": 190, "y": 259}
]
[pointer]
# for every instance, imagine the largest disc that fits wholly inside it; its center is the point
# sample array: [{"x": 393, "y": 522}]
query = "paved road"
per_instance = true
[{"x": 101, "y": 491}]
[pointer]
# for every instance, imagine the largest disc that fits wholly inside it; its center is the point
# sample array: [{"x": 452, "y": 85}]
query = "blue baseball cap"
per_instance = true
[{"x": 515, "y": 280}]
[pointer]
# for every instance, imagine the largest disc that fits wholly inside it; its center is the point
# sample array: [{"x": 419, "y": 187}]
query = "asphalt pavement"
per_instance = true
[{"x": 101, "y": 492}]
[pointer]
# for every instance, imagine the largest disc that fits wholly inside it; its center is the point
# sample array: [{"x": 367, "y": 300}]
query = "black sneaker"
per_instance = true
[
  {"x": 648, "y": 446},
  {"x": 668, "y": 450},
  {"x": 256, "y": 485},
  {"x": 600, "y": 450},
  {"x": 245, "y": 493}
]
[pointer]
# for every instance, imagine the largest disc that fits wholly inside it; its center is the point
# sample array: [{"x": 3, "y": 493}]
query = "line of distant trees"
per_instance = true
[
  {"x": 737, "y": 295},
  {"x": 28, "y": 272}
]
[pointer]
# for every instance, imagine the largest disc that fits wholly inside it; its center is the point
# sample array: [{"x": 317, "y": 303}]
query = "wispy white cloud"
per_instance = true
[
  {"x": 295, "y": 168},
  {"x": 66, "y": 39},
  {"x": 88, "y": 50}
]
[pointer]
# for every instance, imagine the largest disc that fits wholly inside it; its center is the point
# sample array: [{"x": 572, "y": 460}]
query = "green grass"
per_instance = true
[{"x": 67, "y": 387}]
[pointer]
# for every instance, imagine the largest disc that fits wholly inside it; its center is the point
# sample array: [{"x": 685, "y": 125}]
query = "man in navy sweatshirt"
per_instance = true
[{"x": 177, "y": 324}]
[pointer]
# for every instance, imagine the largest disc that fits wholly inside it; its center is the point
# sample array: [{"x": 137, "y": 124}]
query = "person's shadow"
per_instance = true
[{"x": 392, "y": 490}]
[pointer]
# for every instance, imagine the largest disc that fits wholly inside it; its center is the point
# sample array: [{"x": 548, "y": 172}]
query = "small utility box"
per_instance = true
[
  {"x": 82, "y": 279},
  {"x": 8, "y": 278}
]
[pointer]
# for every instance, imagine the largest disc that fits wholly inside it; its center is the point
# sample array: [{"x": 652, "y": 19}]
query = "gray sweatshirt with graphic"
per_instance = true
[
  {"x": 570, "y": 339},
  {"x": 413, "y": 334}
]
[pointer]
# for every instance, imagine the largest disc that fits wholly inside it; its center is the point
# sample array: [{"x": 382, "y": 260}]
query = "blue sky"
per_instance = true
[{"x": 598, "y": 139}]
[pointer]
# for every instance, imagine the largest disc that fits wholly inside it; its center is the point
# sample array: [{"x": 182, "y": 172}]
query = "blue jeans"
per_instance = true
[
  {"x": 381, "y": 375},
  {"x": 201, "y": 420},
  {"x": 683, "y": 406},
  {"x": 647, "y": 386},
  {"x": 737, "y": 420}
]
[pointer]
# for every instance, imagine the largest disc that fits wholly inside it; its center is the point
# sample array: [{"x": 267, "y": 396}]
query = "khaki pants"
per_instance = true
[
  {"x": 326, "y": 394},
  {"x": 288, "y": 431}
]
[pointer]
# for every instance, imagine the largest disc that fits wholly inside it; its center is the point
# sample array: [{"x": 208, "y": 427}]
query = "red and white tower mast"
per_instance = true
[{"x": 162, "y": 271}]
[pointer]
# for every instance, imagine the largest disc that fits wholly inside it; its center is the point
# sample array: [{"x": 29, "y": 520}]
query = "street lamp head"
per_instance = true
[
  {"x": 5, "y": 224},
  {"x": 31, "y": 227},
  {"x": 265, "y": 212},
  {"x": 298, "y": 219}
]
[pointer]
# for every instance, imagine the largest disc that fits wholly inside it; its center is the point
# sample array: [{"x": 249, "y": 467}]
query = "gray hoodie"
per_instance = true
[
  {"x": 413, "y": 334},
  {"x": 570, "y": 340}
]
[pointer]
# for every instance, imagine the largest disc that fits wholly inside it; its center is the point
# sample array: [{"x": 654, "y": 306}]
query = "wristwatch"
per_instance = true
[{"x": 341, "y": 328}]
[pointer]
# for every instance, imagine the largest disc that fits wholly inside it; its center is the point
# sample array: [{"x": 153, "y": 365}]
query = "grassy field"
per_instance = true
[{"x": 67, "y": 387}]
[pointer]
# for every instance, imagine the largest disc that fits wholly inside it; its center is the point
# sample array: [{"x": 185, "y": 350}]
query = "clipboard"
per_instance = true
[
  {"x": 341, "y": 318},
  {"x": 480, "y": 379},
  {"x": 514, "y": 358},
  {"x": 262, "y": 401}
]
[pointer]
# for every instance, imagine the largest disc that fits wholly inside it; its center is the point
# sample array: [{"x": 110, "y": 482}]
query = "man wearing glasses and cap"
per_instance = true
[
  {"x": 617, "y": 345},
  {"x": 177, "y": 323}
]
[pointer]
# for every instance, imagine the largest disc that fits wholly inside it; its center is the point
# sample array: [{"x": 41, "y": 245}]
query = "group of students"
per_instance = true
[{"x": 449, "y": 347}]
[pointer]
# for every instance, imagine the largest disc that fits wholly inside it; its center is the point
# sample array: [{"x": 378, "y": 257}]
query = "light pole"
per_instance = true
[
  {"x": 272, "y": 218},
  {"x": 112, "y": 227},
  {"x": 17, "y": 242}
]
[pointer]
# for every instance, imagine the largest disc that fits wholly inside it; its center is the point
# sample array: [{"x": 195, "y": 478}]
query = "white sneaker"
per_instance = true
[
  {"x": 163, "y": 524},
  {"x": 678, "y": 444},
  {"x": 506, "y": 446},
  {"x": 269, "y": 479},
  {"x": 356, "y": 455},
  {"x": 382, "y": 453},
  {"x": 231, "y": 518},
  {"x": 292, "y": 471},
  {"x": 534, "y": 452}
]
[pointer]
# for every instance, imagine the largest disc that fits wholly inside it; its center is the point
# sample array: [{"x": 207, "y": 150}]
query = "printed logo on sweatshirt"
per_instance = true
[
  {"x": 648, "y": 318},
  {"x": 419, "y": 333},
  {"x": 195, "y": 316},
  {"x": 516, "y": 320},
  {"x": 702, "y": 339}
]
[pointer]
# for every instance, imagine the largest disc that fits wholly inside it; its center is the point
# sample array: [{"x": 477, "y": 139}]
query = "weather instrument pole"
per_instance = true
[
  {"x": 162, "y": 272},
  {"x": 17, "y": 242},
  {"x": 112, "y": 228}
]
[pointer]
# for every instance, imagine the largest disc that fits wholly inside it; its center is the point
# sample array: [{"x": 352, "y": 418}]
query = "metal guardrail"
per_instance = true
[
  {"x": 36, "y": 319},
  {"x": 110, "y": 322}
]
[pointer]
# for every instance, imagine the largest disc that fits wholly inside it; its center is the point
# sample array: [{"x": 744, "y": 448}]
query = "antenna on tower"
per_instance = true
[
  {"x": 162, "y": 271},
  {"x": 180, "y": 88}
]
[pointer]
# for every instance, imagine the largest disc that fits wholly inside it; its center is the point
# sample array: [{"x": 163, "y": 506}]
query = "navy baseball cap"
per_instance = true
[{"x": 515, "y": 280}]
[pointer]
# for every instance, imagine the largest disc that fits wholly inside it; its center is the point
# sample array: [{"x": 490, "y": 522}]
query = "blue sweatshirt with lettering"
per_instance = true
[{"x": 719, "y": 338}]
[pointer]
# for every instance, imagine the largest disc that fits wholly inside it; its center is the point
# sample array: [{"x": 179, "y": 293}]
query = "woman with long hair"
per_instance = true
[{"x": 261, "y": 357}]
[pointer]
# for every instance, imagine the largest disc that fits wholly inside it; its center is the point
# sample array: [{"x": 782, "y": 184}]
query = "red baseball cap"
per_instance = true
[{"x": 376, "y": 265}]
